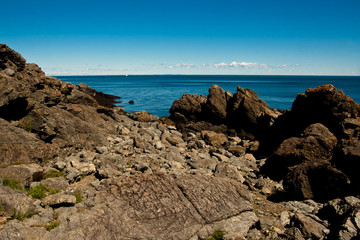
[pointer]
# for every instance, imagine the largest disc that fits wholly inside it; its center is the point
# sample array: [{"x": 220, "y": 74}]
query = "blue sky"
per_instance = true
[{"x": 89, "y": 37}]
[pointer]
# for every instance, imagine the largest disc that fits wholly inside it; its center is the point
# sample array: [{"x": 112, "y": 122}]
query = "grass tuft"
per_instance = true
[
  {"x": 78, "y": 197},
  {"x": 51, "y": 225},
  {"x": 217, "y": 235},
  {"x": 21, "y": 216},
  {"x": 12, "y": 183},
  {"x": 53, "y": 174}
]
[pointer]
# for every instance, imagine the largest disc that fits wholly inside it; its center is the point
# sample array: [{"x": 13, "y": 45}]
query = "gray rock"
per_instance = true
[
  {"x": 16, "y": 230},
  {"x": 15, "y": 201},
  {"x": 59, "y": 200},
  {"x": 239, "y": 224},
  {"x": 223, "y": 170},
  {"x": 9, "y": 72},
  {"x": 72, "y": 173},
  {"x": 84, "y": 168},
  {"x": 157, "y": 207},
  {"x": 56, "y": 183},
  {"x": 309, "y": 227},
  {"x": 60, "y": 165}
]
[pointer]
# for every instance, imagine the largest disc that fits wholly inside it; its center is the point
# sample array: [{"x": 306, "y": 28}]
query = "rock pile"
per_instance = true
[{"x": 74, "y": 166}]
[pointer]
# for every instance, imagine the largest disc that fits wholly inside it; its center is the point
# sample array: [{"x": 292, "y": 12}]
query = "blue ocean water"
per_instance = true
[{"x": 156, "y": 93}]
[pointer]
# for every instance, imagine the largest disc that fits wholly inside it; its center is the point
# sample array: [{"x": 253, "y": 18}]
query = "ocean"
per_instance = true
[{"x": 156, "y": 93}]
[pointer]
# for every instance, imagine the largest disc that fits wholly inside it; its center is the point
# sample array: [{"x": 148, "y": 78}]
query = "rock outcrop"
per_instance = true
[{"x": 244, "y": 111}]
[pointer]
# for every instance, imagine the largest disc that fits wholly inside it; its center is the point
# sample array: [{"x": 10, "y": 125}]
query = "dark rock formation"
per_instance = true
[
  {"x": 316, "y": 143},
  {"x": 187, "y": 108},
  {"x": 243, "y": 111},
  {"x": 316, "y": 180}
]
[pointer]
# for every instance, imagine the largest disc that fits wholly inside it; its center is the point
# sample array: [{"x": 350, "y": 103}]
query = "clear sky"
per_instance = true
[{"x": 87, "y": 37}]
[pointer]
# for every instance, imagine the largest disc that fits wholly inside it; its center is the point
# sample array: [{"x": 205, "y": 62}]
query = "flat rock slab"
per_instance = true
[{"x": 156, "y": 207}]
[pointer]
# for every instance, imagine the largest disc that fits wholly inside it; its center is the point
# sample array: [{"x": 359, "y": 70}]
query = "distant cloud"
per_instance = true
[
  {"x": 182, "y": 65},
  {"x": 234, "y": 64}
]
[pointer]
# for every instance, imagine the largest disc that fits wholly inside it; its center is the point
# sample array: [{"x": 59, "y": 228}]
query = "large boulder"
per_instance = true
[
  {"x": 17, "y": 145},
  {"x": 316, "y": 180},
  {"x": 348, "y": 160},
  {"x": 315, "y": 143}
]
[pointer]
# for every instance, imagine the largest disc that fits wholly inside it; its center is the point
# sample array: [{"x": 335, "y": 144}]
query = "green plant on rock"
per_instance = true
[
  {"x": 21, "y": 216},
  {"x": 217, "y": 235},
  {"x": 25, "y": 124},
  {"x": 18, "y": 163},
  {"x": 51, "y": 225},
  {"x": 53, "y": 174},
  {"x": 78, "y": 197},
  {"x": 40, "y": 191},
  {"x": 12, "y": 183}
]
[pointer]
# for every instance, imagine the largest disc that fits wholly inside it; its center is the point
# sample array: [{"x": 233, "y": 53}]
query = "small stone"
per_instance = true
[
  {"x": 9, "y": 72},
  {"x": 101, "y": 150},
  {"x": 60, "y": 165},
  {"x": 131, "y": 102},
  {"x": 159, "y": 145},
  {"x": 124, "y": 131}
]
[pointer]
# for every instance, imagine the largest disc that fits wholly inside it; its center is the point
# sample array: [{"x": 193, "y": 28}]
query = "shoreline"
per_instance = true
[{"x": 73, "y": 164}]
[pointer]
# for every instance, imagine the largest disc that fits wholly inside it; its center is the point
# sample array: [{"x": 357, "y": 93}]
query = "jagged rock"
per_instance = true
[
  {"x": 213, "y": 138},
  {"x": 309, "y": 227},
  {"x": 216, "y": 105},
  {"x": 245, "y": 110},
  {"x": 59, "y": 200},
  {"x": 15, "y": 201},
  {"x": 11, "y": 59},
  {"x": 324, "y": 104},
  {"x": 316, "y": 143},
  {"x": 187, "y": 107},
  {"x": 237, "y": 150}
]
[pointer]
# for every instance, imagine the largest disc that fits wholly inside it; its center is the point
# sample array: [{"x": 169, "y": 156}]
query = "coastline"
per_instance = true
[{"x": 225, "y": 161}]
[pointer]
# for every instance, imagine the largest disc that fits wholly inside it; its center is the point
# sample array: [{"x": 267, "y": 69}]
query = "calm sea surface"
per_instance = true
[{"x": 156, "y": 93}]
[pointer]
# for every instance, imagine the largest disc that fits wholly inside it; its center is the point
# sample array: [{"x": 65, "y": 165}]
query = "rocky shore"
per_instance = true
[{"x": 223, "y": 166}]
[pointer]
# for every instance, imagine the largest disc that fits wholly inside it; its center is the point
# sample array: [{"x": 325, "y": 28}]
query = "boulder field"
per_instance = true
[{"x": 73, "y": 165}]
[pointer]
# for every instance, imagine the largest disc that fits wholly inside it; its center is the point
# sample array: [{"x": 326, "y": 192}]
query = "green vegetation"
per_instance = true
[
  {"x": 78, "y": 197},
  {"x": 21, "y": 216},
  {"x": 217, "y": 235},
  {"x": 51, "y": 225},
  {"x": 25, "y": 124},
  {"x": 1, "y": 207},
  {"x": 17, "y": 163},
  {"x": 12, "y": 183},
  {"x": 39, "y": 191},
  {"x": 53, "y": 173}
]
